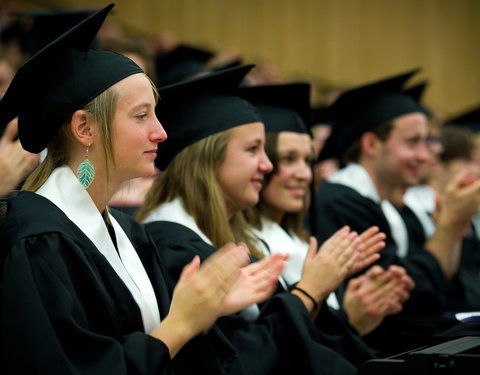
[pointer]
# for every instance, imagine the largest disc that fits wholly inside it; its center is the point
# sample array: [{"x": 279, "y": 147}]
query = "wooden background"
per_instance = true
[{"x": 344, "y": 42}]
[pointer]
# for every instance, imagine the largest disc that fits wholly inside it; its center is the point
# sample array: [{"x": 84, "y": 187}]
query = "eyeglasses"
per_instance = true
[{"x": 435, "y": 140}]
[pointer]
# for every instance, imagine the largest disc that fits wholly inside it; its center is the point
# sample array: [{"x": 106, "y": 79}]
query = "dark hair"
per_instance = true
[
  {"x": 352, "y": 153},
  {"x": 459, "y": 143}
]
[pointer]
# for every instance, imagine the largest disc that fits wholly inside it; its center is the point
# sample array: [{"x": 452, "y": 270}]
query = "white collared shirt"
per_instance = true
[{"x": 421, "y": 200}]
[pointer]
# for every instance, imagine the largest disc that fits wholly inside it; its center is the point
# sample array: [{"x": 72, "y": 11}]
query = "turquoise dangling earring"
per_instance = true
[{"x": 86, "y": 172}]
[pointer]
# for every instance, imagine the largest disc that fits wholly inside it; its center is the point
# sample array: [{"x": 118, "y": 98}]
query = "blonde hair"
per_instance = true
[
  {"x": 101, "y": 110},
  {"x": 192, "y": 177}
]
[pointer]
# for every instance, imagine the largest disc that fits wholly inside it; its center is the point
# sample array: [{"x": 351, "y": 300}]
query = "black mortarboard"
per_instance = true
[
  {"x": 283, "y": 107},
  {"x": 58, "y": 80},
  {"x": 469, "y": 118},
  {"x": 49, "y": 25},
  {"x": 199, "y": 107},
  {"x": 416, "y": 92},
  {"x": 181, "y": 63},
  {"x": 365, "y": 108},
  {"x": 318, "y": 115}
]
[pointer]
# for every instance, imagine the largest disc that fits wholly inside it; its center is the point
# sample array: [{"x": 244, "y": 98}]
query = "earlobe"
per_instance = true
[{"x": 81, "y": 127}]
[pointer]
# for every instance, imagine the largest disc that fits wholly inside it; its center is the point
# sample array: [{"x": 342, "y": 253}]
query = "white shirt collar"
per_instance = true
[
  {"x": 279, "y": 241},
  {"x": 421, "y": 200},
  {"x": 357, "y": 178},
  {"x": 64, "y": 190},
  {"x": 173, "y": 211}
]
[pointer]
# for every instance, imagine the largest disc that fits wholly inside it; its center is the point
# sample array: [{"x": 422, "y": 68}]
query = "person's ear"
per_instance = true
[
  {"x": 82, "y": 127},
  {"x": 370, "y": 143}
]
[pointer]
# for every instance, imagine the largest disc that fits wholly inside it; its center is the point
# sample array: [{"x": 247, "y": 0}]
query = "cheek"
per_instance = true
[
  {"x": 398, "y": 156},
  {"x": 270, "y": 192}
]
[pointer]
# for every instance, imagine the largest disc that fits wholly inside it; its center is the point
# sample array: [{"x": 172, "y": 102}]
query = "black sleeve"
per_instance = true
[
  {"x": 56, "y": 308},
  {"x": 282, "y": 340},
  {"x": 337, "y": 205}
]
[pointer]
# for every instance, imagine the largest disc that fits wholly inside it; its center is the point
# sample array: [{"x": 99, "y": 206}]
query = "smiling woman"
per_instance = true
[
  {"x": 278, "y": 221},
  {"x": 241, "y": 172}
]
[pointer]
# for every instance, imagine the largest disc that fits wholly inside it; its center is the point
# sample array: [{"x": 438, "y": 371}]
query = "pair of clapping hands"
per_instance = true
[{"x": 368, "y": 298}]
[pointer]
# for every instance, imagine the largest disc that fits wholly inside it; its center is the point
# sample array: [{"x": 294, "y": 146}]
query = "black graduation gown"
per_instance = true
[
  {"x": 64, "y": 310},
  {"x": 337, "y": 205},
  {"x": 283, "y": 340},
  {"x": 463, "y": 291},
  {"x": 337, "y": 334}
]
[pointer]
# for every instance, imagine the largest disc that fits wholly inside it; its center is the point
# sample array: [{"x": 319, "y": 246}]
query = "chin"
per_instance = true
[
  {"x": 146, "y": 172},
  {"x": 250, "y": 203}
]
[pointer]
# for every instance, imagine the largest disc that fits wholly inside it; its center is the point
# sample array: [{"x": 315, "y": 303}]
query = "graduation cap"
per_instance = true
[
  {"x": 59, "y": 79},
  {"x": 199, "y": 107},
  {"x": 365, "y": 108},
  {"x": 318, "y": 115},
  {"x": 469, "y": 118},
  {"x": 49, "y": 25},
  {"x": 283, "y": 107},
  {"x": 416, "y": 92},
  {"x": 181, "y": 63}
]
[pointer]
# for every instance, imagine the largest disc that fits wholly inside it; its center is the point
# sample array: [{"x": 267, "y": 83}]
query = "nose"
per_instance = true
[
  {"x": 159, "y": 134},
  {"x": 423, "y": 153},
  {"x": 303, "y": 171},
  {"x": 265, "y": 165}
]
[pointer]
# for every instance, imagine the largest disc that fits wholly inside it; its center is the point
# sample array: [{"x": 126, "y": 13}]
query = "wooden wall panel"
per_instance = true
[{"x": 340, "y": 41}]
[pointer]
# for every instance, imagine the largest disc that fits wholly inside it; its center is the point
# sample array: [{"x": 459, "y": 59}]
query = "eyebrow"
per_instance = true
[{"x": 140, "y": 106}]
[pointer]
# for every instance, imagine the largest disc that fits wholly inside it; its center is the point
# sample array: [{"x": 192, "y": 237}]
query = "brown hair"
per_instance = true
[
  {"x": 459, "y": 143},
  {"x": 292, "y": 222}
]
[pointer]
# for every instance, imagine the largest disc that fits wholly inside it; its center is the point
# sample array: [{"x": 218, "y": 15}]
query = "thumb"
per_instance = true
[
  {"x": 312, "y": 247},
  {"x": 354, "y": 284},
  {"x": 190, "y": 269},
  {"x": 11, "y": 131}
]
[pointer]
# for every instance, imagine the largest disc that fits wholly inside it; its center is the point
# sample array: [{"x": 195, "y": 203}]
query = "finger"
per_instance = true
[
  {"x": 11, "y": 131},
  {"x": 189, "y": 270},
  {"x": 393, "y": 307},
  {"x": 349, "y": 263},
  {"x": 363, "y": 262},
  {"x": 402, "y": 294},
  {"x": 336, "y": 238},
  {"x": 347, "y": 249},
  {"x": 368, "y": 233},
  {"x": 268, "y": 264},
  {"x": 225, "y": 263},
  {"x": 408, "y": 282},
  {"x": 312, "y": 247},
  {"x": 255, "y": 267},
  {"x": 245, "y": 247},
  {"x": 374, "y": 241},
  {"x": 355, "y": 283},
  {"x": 397, "y": 270},
  {"x": 374, "y": 271}
]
